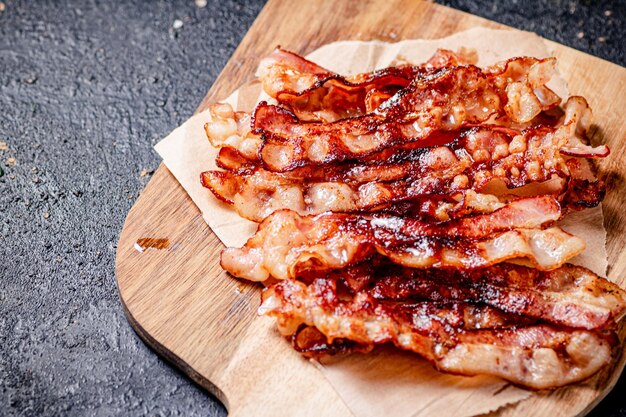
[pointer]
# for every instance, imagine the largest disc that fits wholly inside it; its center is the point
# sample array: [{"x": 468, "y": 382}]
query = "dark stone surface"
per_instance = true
[
  {"x": 86, "y": 89},
  {"x": 593, "y": 26}
]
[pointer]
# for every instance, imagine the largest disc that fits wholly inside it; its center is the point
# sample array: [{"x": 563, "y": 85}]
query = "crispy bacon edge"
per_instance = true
[{"x": 535, "y": 356}]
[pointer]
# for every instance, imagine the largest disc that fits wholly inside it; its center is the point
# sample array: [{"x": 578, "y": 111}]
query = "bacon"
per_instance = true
[
  {"x": 577, "y": 121},
  {"x": 412, "y": 163},
  {"x": 456, "y": 338},
  {"x": 308, "y": 341},
  {"x": 230, "y": 129},
  {"x": 569, "y": 296},
  {"x": 230, "y": 159},
  {"x": 257, "y": 192},
  {"x": 405, "y": 206},
  {"x": 287, "y": 244},
  {"x": 446, "y": 100},
  {"x": 475, "y": 159},
  {"x": 584, "y": 190},
  {"x": 260, "y": 193},
  {"x": 399, "y": 160},
  {"x": 315, "y": 93},
  {"x": 292, "y": 294},
  {"x": 286, "y": 71}
]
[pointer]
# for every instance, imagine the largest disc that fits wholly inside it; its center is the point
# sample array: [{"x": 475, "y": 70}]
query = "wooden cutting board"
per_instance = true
[{"x": 186, "y": 308}]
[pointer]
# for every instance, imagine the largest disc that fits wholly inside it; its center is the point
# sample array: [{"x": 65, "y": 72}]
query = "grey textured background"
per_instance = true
[{"x": 86, "y": 89}]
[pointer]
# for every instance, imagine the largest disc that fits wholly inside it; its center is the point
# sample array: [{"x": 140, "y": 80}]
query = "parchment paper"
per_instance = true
[{"x": 383, "y": 382}]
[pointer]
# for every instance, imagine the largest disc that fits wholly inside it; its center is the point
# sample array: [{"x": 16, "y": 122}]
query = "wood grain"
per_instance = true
[{"x": 184, "y": 306}]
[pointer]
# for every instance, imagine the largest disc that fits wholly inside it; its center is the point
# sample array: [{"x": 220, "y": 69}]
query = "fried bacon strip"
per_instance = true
[
  {"x": 455, "y": 338},
  {"x": 570, "y": 296},
  {"x": 257, "y": 193},
  {"x": 315, "y": 93},
  {"x": 387, "y": 167},
  {"x": 287, "y": 244},
  {"x": 478, "y": 157},
  {"x": 447, "y": 100}
]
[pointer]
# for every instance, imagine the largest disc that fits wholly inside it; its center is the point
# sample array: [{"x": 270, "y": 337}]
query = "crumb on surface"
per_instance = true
[
  {"x": 145, "y": 172},
  {"x": 11, "y": 161},
  {"x": 3, "y": 146}
]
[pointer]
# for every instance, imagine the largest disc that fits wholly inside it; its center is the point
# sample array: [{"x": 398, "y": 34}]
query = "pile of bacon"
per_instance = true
[{"x": 417, "y": 205}]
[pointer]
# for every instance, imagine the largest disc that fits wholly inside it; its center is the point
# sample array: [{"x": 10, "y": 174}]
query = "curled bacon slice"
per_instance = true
[
  {"x": 570, "y": 296},
  {"x": 286, "y": 244},
  {"x": 284, "y": 70},
  {"x": 287, "y": 72},
  {"x": 315, "y": 93},
  {"x": 446, "y": 100},
  {"x": 454, "y": 338},
  {"x": 577, "y": 122}
]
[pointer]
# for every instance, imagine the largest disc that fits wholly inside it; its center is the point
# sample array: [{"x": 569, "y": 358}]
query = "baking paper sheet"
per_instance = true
[{"x": 385, "y": 382}]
